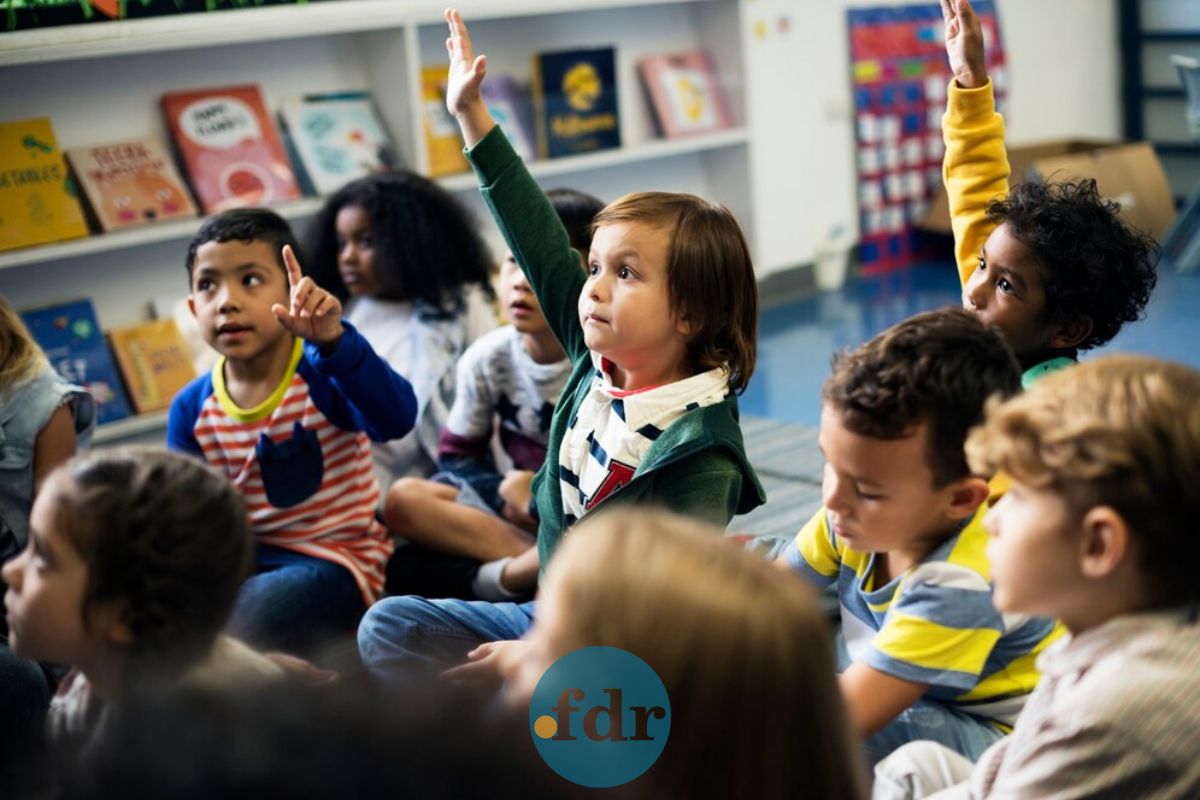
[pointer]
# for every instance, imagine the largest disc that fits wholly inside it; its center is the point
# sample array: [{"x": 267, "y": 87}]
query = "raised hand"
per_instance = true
[
  {"x": 467, "y": 70},
  {"x": 315, "y": 315},
  {"x": 964, "y": 43}
]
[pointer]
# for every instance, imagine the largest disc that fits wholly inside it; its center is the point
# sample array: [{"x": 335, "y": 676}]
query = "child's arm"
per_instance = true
[
  {"x": 975, "y": 169},
  {"x": 54, "y": 444},
  {"x": 874, "y": 698},
  {"x": 813, "y": 555},
  {"x": 534, "y": 233}
]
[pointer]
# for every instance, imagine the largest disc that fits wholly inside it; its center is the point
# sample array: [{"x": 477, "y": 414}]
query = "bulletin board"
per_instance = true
[{"x": 899, "y": 73}]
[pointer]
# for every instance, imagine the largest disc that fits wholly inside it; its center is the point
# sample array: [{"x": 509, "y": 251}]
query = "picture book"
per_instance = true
[
  {"x": 685, "y": 93},
  {"x": 575, "y": 93},
  {"x": 70, "y": 336},
  {"x": 39, "y": 202},
  {"x": 154, "y": 361},
  {"x": 510, "y": 105},
  {"x": 230, "y": 147},
  {"x": 128, "y": 183},
  {"x": 335, "y": 139},
  {"x": 442, "y": 139}
]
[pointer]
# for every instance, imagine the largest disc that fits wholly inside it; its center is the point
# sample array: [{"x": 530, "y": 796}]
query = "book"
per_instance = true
[
  {"x": 70, "y": 336},
  {"x": 575, "y": 93},
  {"x": 129, "y": 183},
  {"x": 230, "y": 147},
  {"x": 685, "y": 93},
  {"x": 442, "y": 139},
  {"x": 335, "y": 139},
  {"x": 510, "y": 105},
  {"x": 39, "y": 202},
  {"x": 154, "y": 361}
]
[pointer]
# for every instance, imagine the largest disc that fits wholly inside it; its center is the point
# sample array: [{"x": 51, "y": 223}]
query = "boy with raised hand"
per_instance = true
[
  {"x": 1096, "y": 530},
  {"x": 1052, "y": 267},
  {"x": 923, "y": 653}
]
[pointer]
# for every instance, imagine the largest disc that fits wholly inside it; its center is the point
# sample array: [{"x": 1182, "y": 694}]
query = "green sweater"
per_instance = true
[{"x": 698, "y": 464}]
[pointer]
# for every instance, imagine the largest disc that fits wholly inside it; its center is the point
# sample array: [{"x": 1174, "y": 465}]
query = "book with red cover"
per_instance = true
[
  {"x": 685, "y": 93},
  {"x": 230, "y": 147},
  {"x": 132, "y": 182}
]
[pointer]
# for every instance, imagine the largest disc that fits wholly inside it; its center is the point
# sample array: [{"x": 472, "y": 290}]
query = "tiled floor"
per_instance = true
[{"x": 797, "y": 339}]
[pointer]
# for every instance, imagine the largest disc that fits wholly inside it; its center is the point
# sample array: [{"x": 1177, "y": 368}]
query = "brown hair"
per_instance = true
[
  {"x": 164, "y": 536},
  {"x": 20, "y": 356},
  {"x": 1120, "y": 431},
  {"x": 743, "y": 651},
  {"x": 710, "y": 276},
  {"x": 939, "y": 367}
]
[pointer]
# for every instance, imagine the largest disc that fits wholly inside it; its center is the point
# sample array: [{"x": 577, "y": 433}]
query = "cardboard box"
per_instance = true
[{"x": 1131, "y": 174}]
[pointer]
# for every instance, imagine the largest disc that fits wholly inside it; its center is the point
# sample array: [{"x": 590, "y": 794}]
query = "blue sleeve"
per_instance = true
[
  {"x": 185, "y": 410},
  {"x": 357, "y": 390}
]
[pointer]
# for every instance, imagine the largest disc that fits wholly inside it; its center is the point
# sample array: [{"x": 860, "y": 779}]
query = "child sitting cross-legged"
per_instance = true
[
  {"x": 1098, "y": 530},
  {"x": 923, "y": 652}
]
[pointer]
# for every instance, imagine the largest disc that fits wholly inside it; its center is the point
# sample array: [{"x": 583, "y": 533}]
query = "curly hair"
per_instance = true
[
  {"x": 427, "y": 245},
  {"x": 1093, "y": 265},
  {"x": 244, "y": 225},
  {"x": 939, "y": 367},
  {"x": 164, "y": 536}
]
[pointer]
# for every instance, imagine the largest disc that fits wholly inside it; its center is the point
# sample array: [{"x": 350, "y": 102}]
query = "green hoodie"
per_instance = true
[{"x": 698, "y": 465}]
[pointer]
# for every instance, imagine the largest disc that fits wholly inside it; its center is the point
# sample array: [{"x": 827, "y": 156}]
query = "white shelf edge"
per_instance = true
[
  {"x": 647, "y": 151},
  {"x": 135, "y": 237},
  {"x": 131, "y": 426}
]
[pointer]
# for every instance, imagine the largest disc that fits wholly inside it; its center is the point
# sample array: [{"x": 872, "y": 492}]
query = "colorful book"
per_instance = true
[
  {"x": 230, "y": 147},
  {"x": 70, "y": 336},
  {"x": 335, "y": 138},
  {"x": 38, "y": 201},
  {"x": 575, "y": 92},
  {"x": 129, "y": 183},
  {"x": 685, "y": 93},
  {"x": 154, "y": 361},
  {"x": 442, "y": 139},
  {"x": 510, "y": 105}
]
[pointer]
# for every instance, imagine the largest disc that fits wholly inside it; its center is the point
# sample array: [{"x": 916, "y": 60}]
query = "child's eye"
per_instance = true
[
  {"x": 866, "y": 495},
  {"x": 204, "y": 284},
  {"x": 252, "y": 280},
  {"x": 366, "y": 242},
  {"x": 980, "y": 264},
  {"x": 1004, "y": 286},
  {"x": 593, "y": 269},
  {"x": 624, "y": 273}
]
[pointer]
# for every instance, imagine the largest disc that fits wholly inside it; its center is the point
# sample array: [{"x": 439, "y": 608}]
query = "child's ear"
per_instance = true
[
  {"x": 1105, "y": 544},
  {"x": 191, "y": 304},
  {"x": 1070, "y": 334},
  {"x": 966, "y": 496},
  {"x": 685, "y": 328},
  {"x": 111, "y": 621}
]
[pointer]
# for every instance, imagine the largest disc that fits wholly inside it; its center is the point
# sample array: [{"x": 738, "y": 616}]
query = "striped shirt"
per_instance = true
[{"x": 934, "y": 624}]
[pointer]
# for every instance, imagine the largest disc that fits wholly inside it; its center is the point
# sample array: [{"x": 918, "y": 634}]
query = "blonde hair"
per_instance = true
[
  {"x": 20, "y": 356},
  {"x": 741, "y": 647},
  {"x": 1119, "y": 431}
]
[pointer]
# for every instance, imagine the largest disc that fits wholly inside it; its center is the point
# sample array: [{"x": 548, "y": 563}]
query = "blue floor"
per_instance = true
[{"x": 797, "y": 339}]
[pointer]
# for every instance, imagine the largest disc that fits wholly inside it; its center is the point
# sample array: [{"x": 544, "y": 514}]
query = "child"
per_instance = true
[
  {"x": 407, "y": 256},
  {"x": 509, "y": 379},
  {"x": 1097, "y": 530},
  {"x": 1052, "y": 267},
  {"x": 741, "y": 649},
  {"x": 923, "y": 652},
  {"x": 133, "y": 563},
  {"x": 288, "y": 423},
  {"x": 661, "y": 331}
]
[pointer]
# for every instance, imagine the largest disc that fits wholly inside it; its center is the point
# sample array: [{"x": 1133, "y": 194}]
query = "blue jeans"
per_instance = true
[
  {"x": 927, "y": 720},
  {"x": 295, "y": 602},
  {"x": 406, "y": 638}
]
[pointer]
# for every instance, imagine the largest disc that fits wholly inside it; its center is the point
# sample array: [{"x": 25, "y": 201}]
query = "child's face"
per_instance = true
[
  {"x": 1006, "y": 293},
  {"x": 47, "y": 582},
  {"x": 356, "y": 251},
  {"x": 880, "y": 493},
  {"x": 625, "y": 306},
  {"x": 234, "y": 285},
  {"x": 520, "y": 303}
]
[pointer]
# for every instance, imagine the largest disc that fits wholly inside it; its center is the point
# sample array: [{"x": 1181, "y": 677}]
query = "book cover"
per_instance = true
[
  {"x": 230, "y": 147},
  {"x": 442, "y": 139},
  {"x": 128, "y": 183},
  {"x": 39, "y": 202},
  {"x": 336, "y": 139},
  {"x": 685, "y": 93},
  {"x": 575, "y": 92},
  {"x": 510, "y": 105},
  {"x": 154, "y": 361},
  {"x": 70, "y": 336}
]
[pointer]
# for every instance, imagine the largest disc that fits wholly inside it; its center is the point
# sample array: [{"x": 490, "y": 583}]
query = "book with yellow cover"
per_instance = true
[
  {"x": 38, "y": 201},
  {"x": 442, "y": 138},
  {"x": 154, "y": 361}
]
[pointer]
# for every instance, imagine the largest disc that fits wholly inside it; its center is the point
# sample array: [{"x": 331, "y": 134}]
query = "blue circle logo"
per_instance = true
[{"x": 600, "y": 716}]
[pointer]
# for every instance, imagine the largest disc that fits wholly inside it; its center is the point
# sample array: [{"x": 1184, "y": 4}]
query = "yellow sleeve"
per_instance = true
[
  {"x": 975, "y": 169},
  {"x": 814, "y": 554}
]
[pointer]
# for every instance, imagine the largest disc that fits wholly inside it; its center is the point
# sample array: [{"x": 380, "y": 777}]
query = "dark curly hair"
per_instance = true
[
  {"x": 244, "y": 225},
  {"x": 1093, "y": 265},
  {"x": 938, "y": 367},
  {"x": 164, "y": 536},
  {"x": 427, "y": 244}
]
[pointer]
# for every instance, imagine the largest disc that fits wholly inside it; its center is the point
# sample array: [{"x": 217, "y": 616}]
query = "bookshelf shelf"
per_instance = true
[{"x": 130, "y": 427}]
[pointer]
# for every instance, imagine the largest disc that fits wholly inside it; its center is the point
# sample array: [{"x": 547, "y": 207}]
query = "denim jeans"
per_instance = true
[
  {"x": 295, "y": 602},
  {"x": 926, "y": 720},
  {"x": 407, "y": 638}
]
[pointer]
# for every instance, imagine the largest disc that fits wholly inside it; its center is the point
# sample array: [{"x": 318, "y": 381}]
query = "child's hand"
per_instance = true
[
  {"x": 315, "y": 315},
  {"x": 488, "y": 665},
  {"x": 517, "y": 491},
  {"x": 964, "y": 44},
  {"x": 467, "y": 70}
]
